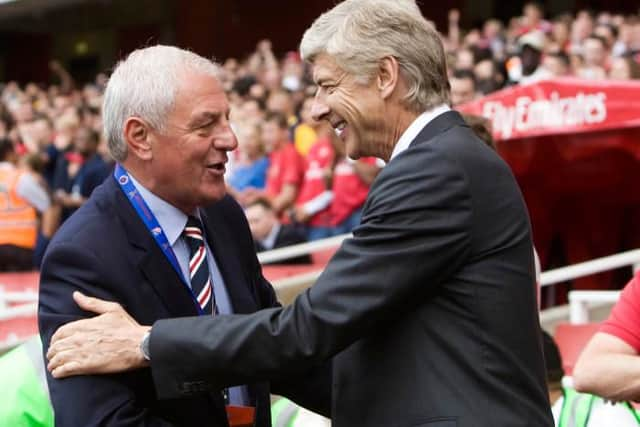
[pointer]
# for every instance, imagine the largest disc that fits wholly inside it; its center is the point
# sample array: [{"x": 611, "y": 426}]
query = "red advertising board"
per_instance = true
[{"x": 564, "y": 106}]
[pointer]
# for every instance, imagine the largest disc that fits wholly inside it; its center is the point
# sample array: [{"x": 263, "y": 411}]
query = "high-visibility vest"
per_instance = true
[
  {"x": 18, "y": 220},
  {"x": 284, "y": 413},
  {"x": 24, "y": 395},
  {"x": 576, "y": 409}
]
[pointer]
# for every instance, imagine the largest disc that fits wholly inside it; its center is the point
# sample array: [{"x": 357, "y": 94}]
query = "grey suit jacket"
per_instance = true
[{"x": 428, "y": 312}]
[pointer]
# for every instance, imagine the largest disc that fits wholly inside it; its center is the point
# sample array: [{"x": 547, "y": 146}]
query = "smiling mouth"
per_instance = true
[{"x": 217, "y": 167}]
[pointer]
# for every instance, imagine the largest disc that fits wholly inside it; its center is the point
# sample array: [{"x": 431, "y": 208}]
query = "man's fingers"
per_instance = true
[
  {"x": 66, "y": 370},
  {"x": 95, "y": 305},
  {"x": 63, "y": 332},
  {"x": 62, "y": 359},
  {"x": 70, "y": 329},
  {"x": 56, "y": 345}
]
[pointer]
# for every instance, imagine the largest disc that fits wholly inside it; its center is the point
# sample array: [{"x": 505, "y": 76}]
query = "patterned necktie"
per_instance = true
[{"x": 198, "y": 266}]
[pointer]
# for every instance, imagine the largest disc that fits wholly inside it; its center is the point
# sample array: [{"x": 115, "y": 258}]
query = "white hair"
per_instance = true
[
  {"x": 145, "y": 85},
  {"x": 359, "y": 33}
]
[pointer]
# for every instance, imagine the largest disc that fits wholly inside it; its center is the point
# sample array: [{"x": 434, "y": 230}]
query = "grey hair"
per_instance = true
[
  {"x": 145, "y": 85},
  {"x": 359, "y": 33}
]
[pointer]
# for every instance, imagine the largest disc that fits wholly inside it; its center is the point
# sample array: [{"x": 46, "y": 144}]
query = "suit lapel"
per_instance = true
[
  {"x": 153, "y": 263},
  {"x": 222, "y": 244}
]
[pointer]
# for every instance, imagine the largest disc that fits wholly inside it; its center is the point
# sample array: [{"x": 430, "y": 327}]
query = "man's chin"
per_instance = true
[{"x": 352, "y": 150}]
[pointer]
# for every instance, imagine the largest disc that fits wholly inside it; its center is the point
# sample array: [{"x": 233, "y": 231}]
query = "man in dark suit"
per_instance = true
[
  {"x": 429, "y": 312},
  {"x": 269, "y": 233},
  {"x": 112, "y": 248}
]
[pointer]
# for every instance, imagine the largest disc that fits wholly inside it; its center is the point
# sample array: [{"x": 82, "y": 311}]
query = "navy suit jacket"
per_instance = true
[{"x": 105, "y": 250}]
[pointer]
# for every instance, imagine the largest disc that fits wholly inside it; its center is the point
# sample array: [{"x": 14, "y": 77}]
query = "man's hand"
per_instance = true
[
  {"x": 104, "y": 344},
  {"x": 299, "y": 214}
]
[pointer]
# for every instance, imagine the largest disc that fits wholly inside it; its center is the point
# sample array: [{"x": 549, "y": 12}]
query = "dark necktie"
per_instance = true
[{"x": 198, "y": 266}]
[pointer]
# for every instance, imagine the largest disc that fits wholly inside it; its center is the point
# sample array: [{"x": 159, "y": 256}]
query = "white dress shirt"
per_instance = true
[
  {"x": 173, "y": 220},
  {"x": 415, "y": 127}
]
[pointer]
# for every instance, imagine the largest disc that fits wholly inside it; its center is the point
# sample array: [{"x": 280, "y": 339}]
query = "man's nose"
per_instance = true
[
  {"x": 226, "y": 139},
  {"x": 319, "y": 109}
]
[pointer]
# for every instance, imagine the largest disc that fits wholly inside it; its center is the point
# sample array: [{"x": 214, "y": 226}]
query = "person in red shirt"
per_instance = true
[
  {"x": 313, "y": 203},
  {"x": 350, "y": 184},
  {"x": 286, "y": 166},
  {"x": 609, "y": 366},
  {"x": 335, "y": 187}
]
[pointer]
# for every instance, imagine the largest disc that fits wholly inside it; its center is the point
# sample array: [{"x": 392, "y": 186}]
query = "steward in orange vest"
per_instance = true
[{"x": 20, "y": 199}]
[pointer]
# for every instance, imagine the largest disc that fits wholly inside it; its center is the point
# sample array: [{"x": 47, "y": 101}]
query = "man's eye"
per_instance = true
[{"x": 205, "y": 128}]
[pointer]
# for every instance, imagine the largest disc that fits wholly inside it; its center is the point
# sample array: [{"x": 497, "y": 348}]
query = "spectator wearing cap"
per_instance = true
[{"x": 531, "y": 49}]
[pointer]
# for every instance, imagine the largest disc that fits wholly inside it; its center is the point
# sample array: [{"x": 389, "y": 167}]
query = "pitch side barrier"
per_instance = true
[{"x": 19, "y": 308}]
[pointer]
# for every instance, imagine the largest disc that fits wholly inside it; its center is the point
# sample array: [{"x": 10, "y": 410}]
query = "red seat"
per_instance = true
[
  {"x": 321, "y": 258},
  {"x": 571, "y": 339}
]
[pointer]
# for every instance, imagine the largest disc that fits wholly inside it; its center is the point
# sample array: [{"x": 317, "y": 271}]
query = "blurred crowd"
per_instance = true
[
  {"x": 531, "y": 48},
  {"x": 289, "y": 171}
]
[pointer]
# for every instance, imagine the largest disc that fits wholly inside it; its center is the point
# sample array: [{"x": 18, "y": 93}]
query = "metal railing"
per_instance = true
[
  {"x": 580, "y": 303},
  {"x": 18, "y": 304},
  {"x": 598, "y": 265}
]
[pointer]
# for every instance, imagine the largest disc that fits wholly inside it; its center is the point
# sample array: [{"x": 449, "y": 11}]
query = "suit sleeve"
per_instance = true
[
  {"x": 104, "y": 400},
  {"x": 414, "y": 233},
  {"x": 310, "y": 388}
]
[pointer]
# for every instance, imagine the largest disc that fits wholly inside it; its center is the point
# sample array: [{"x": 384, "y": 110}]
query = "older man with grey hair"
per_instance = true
[
  {"x": 428, "y": 313},
  {"x": 160, "y": 238}
]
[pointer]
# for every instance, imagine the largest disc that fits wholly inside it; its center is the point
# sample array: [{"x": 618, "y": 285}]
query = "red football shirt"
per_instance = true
[
  {"x": 319, "y": 158},
  {"x": 286, "y": 166},
  {"x": 624, "y": 321},
  {"x": 349, "y": 191}
]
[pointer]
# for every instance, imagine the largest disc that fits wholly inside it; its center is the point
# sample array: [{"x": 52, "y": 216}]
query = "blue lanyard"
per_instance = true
[{"x": 150, "y": 221}]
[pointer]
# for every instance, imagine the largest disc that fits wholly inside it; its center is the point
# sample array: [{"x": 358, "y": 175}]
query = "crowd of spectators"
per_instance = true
[
  {"x": 286, "y": 162},
  {"x": 531, "y": 48}
]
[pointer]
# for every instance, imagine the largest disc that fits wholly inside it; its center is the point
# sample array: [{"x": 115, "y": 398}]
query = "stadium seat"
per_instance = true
[{"x": 571, "y": 339}]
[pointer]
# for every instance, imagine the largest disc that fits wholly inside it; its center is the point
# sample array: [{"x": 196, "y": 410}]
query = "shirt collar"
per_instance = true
[
  {"x": 270, "y": 241},
  {"x": 171, "y": 219},
  {"x": 415, "y": 127}
]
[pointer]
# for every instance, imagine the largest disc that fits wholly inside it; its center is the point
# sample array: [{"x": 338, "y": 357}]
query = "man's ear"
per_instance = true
[
  {"x": 388, "y": 75},
  {"x": 137, "y": 136}
]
